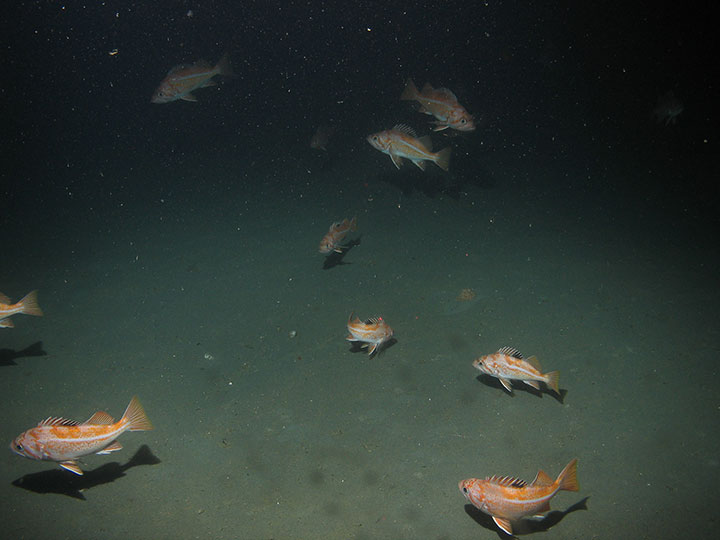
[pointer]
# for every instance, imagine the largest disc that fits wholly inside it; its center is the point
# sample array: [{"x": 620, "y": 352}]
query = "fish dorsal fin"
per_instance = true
[
  {"x": 507, "y": 481},
  {"x": 100, "y": 417},
  {"x": 177, "y": 68},
  {"x": 404, "y": 128},
  {"x": 446, "y": 94},
  {"x": 542, "y": 479},
  {"x": 511, "y": 352},
  {"x": 426, "y": 141},
  {"x": 57, "y": 421},
  {"x": 4, "y": 299},
  {"x": 373, "y": 320},
  {"x": 426, "y": 89},
  {"x": 534, "y": 362}
]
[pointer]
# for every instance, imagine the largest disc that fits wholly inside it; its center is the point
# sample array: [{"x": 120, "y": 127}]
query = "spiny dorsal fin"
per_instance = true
[
  {"x": 511, "y": 352},
  {"x": 57, "y": 421},
  {"x": 542, "y": 479},
  {"x": 100, "y": 417},
  {"x": 373, "y": 320},
  {"x": 507, "y": 481},
  {"x": 404, "y": 128}
]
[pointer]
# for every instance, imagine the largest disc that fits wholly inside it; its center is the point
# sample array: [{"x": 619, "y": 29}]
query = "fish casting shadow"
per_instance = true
[{"x": 63, "y": 482}]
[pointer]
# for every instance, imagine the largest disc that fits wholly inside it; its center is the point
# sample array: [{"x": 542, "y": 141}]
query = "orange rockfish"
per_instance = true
[
  {"x": 373, "y": 332},
  {"x": 26, "y": 306},
  {"x": 402, "y": 142},
  {"x": 338, "y": 231},
  {"x": 183, "y": 79},
  {"x": 442, "y": 104},
  {"x": 508, "y": 364},
  {"x": 58, "y": 439},
  {"x": 508, "y": 499}
]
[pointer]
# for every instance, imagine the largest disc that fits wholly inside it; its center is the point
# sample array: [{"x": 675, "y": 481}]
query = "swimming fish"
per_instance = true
[
  {"x": 62, "y": 440},
  {"x": 27, "y": 306},
  {"x": 402, "y": 142},
  {"x": 442, "y": 104},
  {"x": 373, "y": 333},
  {"x": 182, "y": 80},
  {"x": 338, "y": 231},
  {"x": 508, "y": 364},
  {"x": 507, "y": 499}
]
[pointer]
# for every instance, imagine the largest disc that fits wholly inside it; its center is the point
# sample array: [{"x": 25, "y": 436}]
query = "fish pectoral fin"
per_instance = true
[
  {"x": 504, "y": 524},
  {"x": 506, "y": 383},
  {"x": 372, "y": 349},
  {"x": 397, "y": 160},
  {"x": 440, "y": 127},
  {"x": 209, "y": 82},
  {"x": 189, "y": 97},
  {"x": 112, "y": 447},
  {"x": 420, "y": 164},
  {"x": 71, "y": 466}
]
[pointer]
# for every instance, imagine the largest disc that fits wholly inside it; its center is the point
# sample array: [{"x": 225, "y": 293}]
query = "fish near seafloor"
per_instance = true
[
  {"x": 62, "y": 440},
  {"x": 338, "y": 231},
  {"x": 27, "y": 306},
  {"x": 440, "y": 103},
  {"x": 373, "y": 333},
  {"x": 507, "y": 364},
  {"x": 507, "y": 499},
  {"x": 182, "y": 80},
  {"x": 402, "y": 142}
]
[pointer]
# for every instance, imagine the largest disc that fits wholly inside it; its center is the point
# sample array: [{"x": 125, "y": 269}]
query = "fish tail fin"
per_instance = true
[
  {"x": 30, "y": 304},
  {"x": 567, "y": 479},
  {"x": 553, "y": 379},
  {"x": 410, "y": 93},
  {"x": 442, "y": 158},
  {"x": 136, "y": 417},
  {"x": 224, "y": 67}
]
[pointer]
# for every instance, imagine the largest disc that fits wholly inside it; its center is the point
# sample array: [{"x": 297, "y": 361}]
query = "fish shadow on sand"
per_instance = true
[
  {"x": 357, "y": 346},
  {"x": 336, "y": 259},
  {"x": 493, "y": 382},
  {"x": 8, "y": 356},
  {"x": 527, "y": 525},
  {"x": 64, "y": 482}
]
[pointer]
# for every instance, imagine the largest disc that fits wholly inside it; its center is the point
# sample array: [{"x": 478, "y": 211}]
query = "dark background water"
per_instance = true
[{"x": 157, "y": 233}]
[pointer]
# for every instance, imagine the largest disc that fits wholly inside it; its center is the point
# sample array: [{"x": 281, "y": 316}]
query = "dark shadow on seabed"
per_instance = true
[
  {"x": 336, "y": 258},
  {"x": 525, "y": 526},
  {"x": 8, "y": 356},
  {"x": 64, "y": 482},
  {"x": 493, "y": 382}
]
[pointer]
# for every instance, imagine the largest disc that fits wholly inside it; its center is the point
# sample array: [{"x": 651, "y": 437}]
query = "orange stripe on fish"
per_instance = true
[
  {"x": 336, "y": 234},
  {"x": 440, "y": 103},
  {"x": 27, "y": 306},
  {"x": 507, "y": 364},
  {"x": 402, "y": 142},
  {"x": 509, "y": 499},
  {"x": 373, "y": 332},
  {"x": 62, "y": 440}
]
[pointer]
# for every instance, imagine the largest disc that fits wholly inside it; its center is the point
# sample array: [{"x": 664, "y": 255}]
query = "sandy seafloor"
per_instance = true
[{"x": 184, "y": 291}]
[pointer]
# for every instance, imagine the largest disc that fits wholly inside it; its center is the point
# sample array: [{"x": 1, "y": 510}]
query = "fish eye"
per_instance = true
[
  {"x": 19, "y": 447},
  {"x": 463, "y": 121},
  {"x": 464, "y": 489},
  {"x": 375, "y": 138}
]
